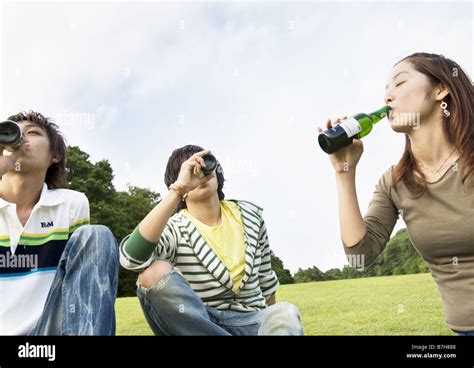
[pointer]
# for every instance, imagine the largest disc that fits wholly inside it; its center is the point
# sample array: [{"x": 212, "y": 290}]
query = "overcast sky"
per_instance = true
[{"x": 130, "y": 82}]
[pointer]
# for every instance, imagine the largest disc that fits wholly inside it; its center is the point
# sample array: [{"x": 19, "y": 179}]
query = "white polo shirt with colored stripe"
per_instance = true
[{"x": 29, "y": 255}]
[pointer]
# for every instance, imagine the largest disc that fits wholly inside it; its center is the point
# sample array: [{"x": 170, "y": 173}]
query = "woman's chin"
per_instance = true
[{"x": 397, "y": 128}]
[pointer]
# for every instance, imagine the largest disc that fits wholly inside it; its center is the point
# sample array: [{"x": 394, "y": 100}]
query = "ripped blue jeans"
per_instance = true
[
  {"x": 171, "y": 307},
  {"x": 82, "y": 297}
]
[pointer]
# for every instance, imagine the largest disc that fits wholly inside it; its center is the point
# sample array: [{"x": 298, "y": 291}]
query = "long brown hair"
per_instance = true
[{"x": 458, "y": 127}]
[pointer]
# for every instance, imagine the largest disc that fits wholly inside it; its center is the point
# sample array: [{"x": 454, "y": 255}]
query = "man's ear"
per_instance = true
[{"x": 441, "y": 91}]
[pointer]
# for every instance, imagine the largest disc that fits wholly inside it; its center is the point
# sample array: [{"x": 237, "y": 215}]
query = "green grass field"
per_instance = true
[{"x": 391, "y": 305}]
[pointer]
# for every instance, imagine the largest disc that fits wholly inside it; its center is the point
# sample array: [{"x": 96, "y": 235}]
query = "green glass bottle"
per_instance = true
[{"x": 357, "y": 126}]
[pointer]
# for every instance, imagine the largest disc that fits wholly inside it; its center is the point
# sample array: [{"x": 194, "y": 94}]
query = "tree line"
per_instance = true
[{"x": 121, "y": 211}]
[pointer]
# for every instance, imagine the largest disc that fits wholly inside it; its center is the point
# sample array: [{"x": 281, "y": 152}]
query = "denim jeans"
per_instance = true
[
  {"x": 82, "y": 296},
  {"x": 171, "y": 307},
  {"x": 465, "y": 333}
]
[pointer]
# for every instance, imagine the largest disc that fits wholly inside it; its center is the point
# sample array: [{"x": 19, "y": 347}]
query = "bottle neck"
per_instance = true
[{"x": 378, "y": 115}]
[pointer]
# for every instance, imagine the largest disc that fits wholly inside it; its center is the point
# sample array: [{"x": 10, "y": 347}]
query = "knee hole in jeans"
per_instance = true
[{"x": 154, "y": 274}]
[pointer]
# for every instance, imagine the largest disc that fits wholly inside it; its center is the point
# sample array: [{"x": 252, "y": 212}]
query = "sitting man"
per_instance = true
[
  {"x": 58, "y": 274},
  {"x": 205, "y": 262}
]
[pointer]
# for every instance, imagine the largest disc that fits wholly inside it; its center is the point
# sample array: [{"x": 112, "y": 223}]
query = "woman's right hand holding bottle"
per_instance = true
[{"x": 345, "y": 159}]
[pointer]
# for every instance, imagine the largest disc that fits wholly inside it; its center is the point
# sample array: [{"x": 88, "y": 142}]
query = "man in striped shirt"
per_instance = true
[
  {"x": 204, "y": 262},
  {"x": 58, "y": 274}
]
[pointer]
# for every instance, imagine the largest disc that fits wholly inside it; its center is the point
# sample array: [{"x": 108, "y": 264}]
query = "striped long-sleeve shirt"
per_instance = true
[{"x": 182, "y": 245}]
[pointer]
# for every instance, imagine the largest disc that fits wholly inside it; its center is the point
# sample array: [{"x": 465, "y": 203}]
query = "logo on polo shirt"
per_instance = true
[{"x": 47, "y": 224}]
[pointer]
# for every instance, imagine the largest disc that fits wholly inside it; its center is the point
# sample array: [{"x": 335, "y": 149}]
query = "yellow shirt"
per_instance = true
[{"x": 227, "y": 240}]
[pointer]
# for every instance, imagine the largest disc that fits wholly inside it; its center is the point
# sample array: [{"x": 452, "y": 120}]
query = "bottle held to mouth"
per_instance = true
[
  {"x": 210, "y": 165},
  {"x": 11, "y": 135},
  {"x": 357, "y": 126}
]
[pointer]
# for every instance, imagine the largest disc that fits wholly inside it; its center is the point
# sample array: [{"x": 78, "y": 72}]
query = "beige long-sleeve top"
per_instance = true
[{"x": 440, "y": 225}]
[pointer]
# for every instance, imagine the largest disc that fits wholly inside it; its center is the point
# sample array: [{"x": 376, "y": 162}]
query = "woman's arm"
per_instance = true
[
  {"x": 366, "y": 236},
  {"x": 344, "y": 162},
  {"x": 351, "y": 223}
]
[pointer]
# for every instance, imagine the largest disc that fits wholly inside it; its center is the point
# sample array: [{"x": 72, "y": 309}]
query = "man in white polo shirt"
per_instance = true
[{"x": 58, "y": 273}]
